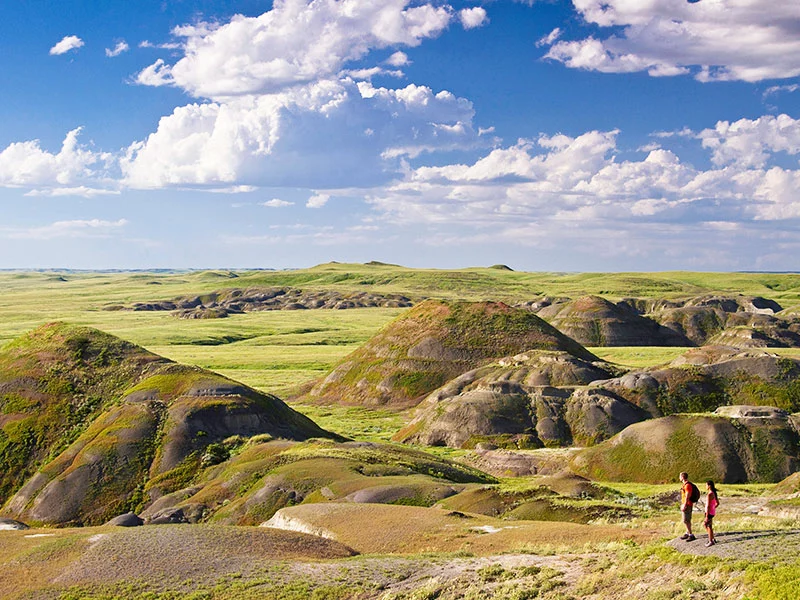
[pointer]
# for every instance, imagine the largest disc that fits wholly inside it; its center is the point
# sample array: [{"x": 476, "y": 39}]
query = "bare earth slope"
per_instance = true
[{"x": 544, "y": 398}]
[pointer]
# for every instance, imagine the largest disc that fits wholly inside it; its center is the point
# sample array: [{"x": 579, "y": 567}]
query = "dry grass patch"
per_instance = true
[{"x": 378, "y": 528}]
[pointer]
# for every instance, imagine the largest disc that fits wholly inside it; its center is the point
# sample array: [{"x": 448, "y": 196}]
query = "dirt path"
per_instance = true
[{"x": 745, "y": 545}]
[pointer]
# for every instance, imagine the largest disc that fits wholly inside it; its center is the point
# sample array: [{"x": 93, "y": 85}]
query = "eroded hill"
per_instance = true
[
  {"x": 432, "y": 343},
  {"x": 93, "y": 426},
  {"x": 540, "y": 398}
]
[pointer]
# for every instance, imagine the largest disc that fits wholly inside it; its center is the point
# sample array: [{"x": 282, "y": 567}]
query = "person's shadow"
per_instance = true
[{"x": 741, "y": 536}]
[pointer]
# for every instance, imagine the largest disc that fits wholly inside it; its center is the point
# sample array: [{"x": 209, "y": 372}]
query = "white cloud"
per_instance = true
[
  {"x": 778, "y": 89},
  {"x": 27, "y": 164},
  {"x": 369, "y": 73},
  {"x": 276, "y": 203},
  {"x": 69, "y": 42},
  {"x": 558, "y": 182},
  {"x": 398, "y": 59},
  {"x": 231, "y": 189},
  {"x": 649, "y": 147},
  {"x": 296, "y": 42},
  {"x": 549, "y": 38},
  {"x": 719, "y": 40},
  {"x": 165, "y": 46},
  {"x": 81, "y": 190},
  {"x": 155, "y": 75},
  {"x": 751, "y": 142},
  {"x": 318, "y": 201},
  {"x": 473, "y": 17},
  {"x": 122, "y": 46},
  {"x": 330, "y": 134},
  {"x": 92, "y": 228}
]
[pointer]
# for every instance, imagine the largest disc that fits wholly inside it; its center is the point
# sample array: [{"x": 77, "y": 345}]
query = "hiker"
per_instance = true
[
  {"x": 712, "y": 502},
  {"x": 689, "y": 495}
]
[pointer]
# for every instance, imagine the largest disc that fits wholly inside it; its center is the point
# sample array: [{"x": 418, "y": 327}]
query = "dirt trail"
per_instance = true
[{"x": 745, "y": 545}]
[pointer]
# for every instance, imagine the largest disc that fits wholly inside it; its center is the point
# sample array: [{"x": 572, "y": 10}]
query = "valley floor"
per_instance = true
[{"x": 756, "y": 558}]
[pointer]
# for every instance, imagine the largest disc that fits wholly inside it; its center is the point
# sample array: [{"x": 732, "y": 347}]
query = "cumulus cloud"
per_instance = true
[
  {"x": 122, "y": 46},
  {"x": 28, "y": 164},
  {"x": 557, "y": 183},
  {"x": 398, "y": 59},
  {"x": 473, "y": 17},
  {"x": 69, "y": 42},
  {"x": 296, "y": 42},
  {"x": 749, "y": 142},
  {"x": 155, "y": 75},
  {"x": 298, "y": 137},
  {"x": 276, "y": 203},
  {"x": 91, "y": 228},
  {"x": 723, "y": 40}
]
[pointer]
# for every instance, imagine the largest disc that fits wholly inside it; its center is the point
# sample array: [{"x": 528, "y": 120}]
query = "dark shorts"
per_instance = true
[
  {"x": 687, "y": 516},
  {"x": 708, "y": 521}
]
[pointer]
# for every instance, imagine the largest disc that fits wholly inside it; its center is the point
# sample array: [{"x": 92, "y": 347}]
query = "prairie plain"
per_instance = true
[{"x": 522, "y": 536}]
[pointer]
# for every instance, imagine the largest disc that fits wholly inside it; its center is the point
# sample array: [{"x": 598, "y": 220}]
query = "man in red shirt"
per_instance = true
[{"x": 686, "y": 506}]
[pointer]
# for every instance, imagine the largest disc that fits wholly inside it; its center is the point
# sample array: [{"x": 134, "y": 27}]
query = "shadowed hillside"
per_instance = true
[
  {"x": 432, "y": 343},
  {"x": 93, "y": 425}
]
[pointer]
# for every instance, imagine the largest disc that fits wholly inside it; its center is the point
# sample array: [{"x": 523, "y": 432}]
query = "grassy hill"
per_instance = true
[
  {"x": 429, "y": 345},
  {"x": 91, "y": 425}
]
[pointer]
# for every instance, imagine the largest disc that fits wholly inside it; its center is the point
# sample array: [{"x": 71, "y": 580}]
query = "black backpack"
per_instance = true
[{"x": 694, "y": 494}]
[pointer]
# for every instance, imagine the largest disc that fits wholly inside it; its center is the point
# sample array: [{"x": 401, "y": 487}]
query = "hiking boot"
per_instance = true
[
  {"x": 685, "y": 536},
  {"x": 710, "y": 543},
  {"x": 691, "y": 538}
]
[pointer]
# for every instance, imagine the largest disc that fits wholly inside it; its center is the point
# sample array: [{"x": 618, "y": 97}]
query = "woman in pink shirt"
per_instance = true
[{"x": 712, "y": 502}]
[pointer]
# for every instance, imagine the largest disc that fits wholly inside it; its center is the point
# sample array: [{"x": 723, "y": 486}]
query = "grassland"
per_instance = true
[{"x": 280, "y": 351}]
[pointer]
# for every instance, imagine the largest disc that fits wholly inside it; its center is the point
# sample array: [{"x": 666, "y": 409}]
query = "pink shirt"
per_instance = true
[{"x": 711, "y": 504}]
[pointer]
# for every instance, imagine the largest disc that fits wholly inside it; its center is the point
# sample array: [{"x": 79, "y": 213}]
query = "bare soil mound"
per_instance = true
[
  {"x": 706, "y": 378},
  {"x": 595, "y": 321},
  {"x": 431, "y": 344},
  {"x": 527, "y": 401},
  {"x": 743, "y": 321}
]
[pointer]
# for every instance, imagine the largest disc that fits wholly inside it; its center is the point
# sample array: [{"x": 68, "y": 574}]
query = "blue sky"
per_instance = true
[{"x": 544, "y": 134}]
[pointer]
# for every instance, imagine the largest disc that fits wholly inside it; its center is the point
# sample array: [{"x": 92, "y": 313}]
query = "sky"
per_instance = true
[{"x": 547, "y": 135}]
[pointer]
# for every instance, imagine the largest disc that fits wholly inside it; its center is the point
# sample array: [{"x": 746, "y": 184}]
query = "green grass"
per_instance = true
[
  {"x": 277, "y": 351},
  {"x": 639, "y": 357},
  {"x": 374, "y": 425}
]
